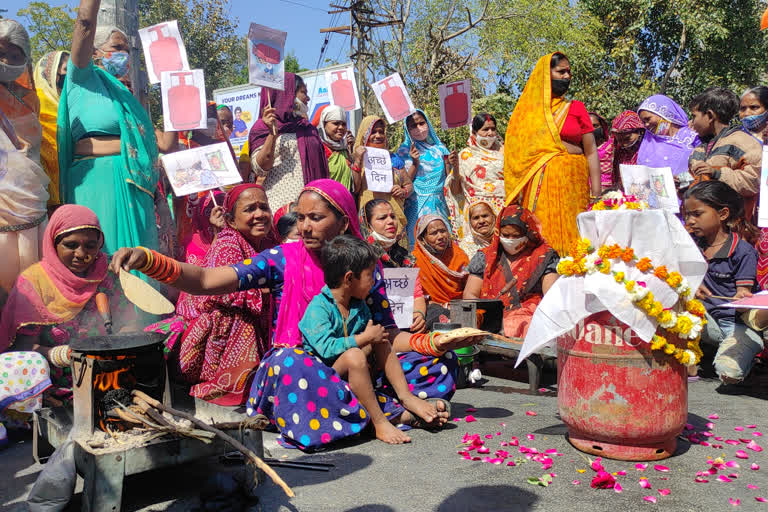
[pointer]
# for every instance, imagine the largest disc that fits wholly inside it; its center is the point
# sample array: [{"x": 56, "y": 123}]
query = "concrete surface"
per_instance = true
[{"x": 429, "y": 475}]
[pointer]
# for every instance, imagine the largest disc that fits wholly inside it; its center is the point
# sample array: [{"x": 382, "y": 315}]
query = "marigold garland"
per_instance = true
[
  {"x": 618, "y": 201},
  {"x": 687, "y": 323}
]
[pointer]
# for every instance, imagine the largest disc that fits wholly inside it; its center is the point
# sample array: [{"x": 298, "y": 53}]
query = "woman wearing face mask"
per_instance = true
[
  {"x": 480, "y": 180},
  {"x": 286, "y": 150},
  {"x": 551, "y": 165},
  {"x": 442, "y": 266},
  {"x": 50, "y": 72},
  {"x": 18, "y": 99},
  {"x": 518, "y": 267},
  {"x": 427, "y": 162},
  {"x": 107, "y": 145},
  {"x": 337, "y": 141},
  {"x": 626, "y": 134},
  {"x": 753, "y": 112},
  {"x": 668, "y": 142}
]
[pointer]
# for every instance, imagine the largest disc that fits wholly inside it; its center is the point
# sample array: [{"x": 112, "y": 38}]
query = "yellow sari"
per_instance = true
[
  {"x": 46, "y": 73},
  {"x": 539, "y": 173}
]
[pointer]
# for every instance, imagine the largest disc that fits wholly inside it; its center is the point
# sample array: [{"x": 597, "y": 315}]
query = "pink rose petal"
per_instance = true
[
  {"x": 483, "y": 449},
  {"x": 757, "y": 434},
  {"x": 753, "y": 487},
  {"x": 760, "y": 499},
  {"x": 732, "y": 464},
  {"x": 530, "y": 413},
  {"x": 469, "y": 418},
  {"x": 488, "y": 436},
  {"x": 597, "y": 464},
  {"x": 511, "y": 463},
  {"x": 738, "y": 429},
  {"x": 734, "y": 501},
  {"x": 664, "y": 492},
  {"x": 718, "y": 438},
  {"x": 732, "y": 442},
  {"x": 724, "y": 478},
  {"x": 652, "y": 499},
  {"x": 457, "y": 420},
  {"x": 617, "y": 487},
  {"x": 733, "y": 475},
  {"x": 514, "y": 441},
  {"x": 688, "y": 426},
  {"x": 710, "y": 425},
  {"x": 645, "y": 484},
  {"x": 659, "y": 467},
  {"x": 530, "y": 437},
  {"x": 741, "y": 454},
  {"x": 751, "y": 426},
  {"x": 754, "y": 446},
  {"x": 713, "y": 417},
  {"x": 641, "y": 467},
  {"x": 700, "y": 480},
  {"x": 543, "y": 390},
  {"x": 471, "y": 409},
  {"x": 621, "y": 473},
  {"x": 576, "y": 482},
  {"x": 745, "y": 441},
  {"x": 754, "y": 467}
]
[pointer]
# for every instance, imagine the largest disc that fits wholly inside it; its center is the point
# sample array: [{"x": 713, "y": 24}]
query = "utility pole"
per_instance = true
[
  {"x": 361, "y": 20},
  {"x": 124, "y": 14}
]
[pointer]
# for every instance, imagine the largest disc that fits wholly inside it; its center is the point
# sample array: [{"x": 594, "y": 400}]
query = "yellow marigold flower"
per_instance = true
[
  {"x": 565, "y": 268},
  {"x": 644, "y": 265},
  {"x": 669, "y": 349},
  {"x": 629, "y": 285},
  {"x": 658, "y": 342},
  {"x": 665, "y": 317},
  {"x": 619, "y": 276},
  {"x": 661, "y": 272},
  {"x": 695, "y": 308},
  {"x": 656, "y": 309},
  {"x": 605, "y": 267},
  {"x": 684, "y": 325},
  {"x": 584, "y": 246},
  {"x": 598, "y": 206},
  {"x": 674, "y": 279}
]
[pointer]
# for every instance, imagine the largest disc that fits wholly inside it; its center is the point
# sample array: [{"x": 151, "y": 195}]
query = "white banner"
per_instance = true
[
  {"x": 200, "y": 169},
  {"x": 163, "y": 49},
  {"x": 400, "y": 283},
  {"x": 183, "y": 95},
  {"x": 378, "y": 170},
  {"x": 393, "y": 98}
]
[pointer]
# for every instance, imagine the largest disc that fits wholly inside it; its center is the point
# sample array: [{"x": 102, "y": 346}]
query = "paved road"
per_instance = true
[{"x": 429, "y": 475}]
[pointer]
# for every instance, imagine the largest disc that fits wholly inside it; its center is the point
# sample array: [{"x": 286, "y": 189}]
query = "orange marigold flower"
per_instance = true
[
  {"x": 627, "y": 254},
  {"x": 661, "y": 272},
  {"x": 644, "y": 265}
]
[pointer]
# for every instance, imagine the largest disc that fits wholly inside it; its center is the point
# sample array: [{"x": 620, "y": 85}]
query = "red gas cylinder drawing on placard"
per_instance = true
[
  {"x": 164, "y": 52},
  {"x": 343, "y": 90},
  {"x": 184, "y": 103},
  {"x": 456, "y": 105},
  {"x": 395, "y": 100},
  {"x": 266, "y": 53}
]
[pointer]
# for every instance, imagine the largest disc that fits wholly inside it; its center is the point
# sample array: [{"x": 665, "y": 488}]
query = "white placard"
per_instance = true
[
  {"x": 393, "y": 98},
  {"x": 342, "y": 88},
  {"x": 378, "y": 170},
  {"x": 652, "y": 184},
  {"x": 400, "y": 283},
  {"x": 455, "y": 104},
  {"x": 266, "y": 56},
  {"x": 183, "y": 95},
  {"x": 163, "y": 49},
  {"x": 200, "y": 169},
  {"x": 762, "y": 210}
]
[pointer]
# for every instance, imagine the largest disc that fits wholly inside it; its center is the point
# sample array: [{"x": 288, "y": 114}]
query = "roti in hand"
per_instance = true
[
  {"x": 460, "y": 338},
  {"x": 144, "y": 296}
]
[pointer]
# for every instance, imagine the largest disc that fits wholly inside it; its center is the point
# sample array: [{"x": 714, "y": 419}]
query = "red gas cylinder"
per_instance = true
[
  {"x": 456, "y": 106},
  {"x": 164, "y": 52},
  {"x": 617, "y": 398},
  {"x": 184, "y": 104},
  {"x": 343, "y": 91},
  {"x": 266, "y": 53},
  {"x": 395, "y": 101}
]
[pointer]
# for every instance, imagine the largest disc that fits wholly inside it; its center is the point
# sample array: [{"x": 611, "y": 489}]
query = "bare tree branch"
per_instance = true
[{"x": 680, "y": 47}]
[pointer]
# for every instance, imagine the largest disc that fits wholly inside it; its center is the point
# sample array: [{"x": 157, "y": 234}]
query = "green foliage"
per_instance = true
[
  {"x": 292, "y": 64},
  {"x": 50, "y": 28}
]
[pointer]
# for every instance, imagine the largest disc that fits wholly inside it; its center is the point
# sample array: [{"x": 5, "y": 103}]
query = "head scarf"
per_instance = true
[
  {"x": 365, "y": 129},
  {"x": 283, "y": 210},
  {"x": 271, "y": 239},
  {"x": 303, "y": 278},
  {"x": 332, "y": 113},
  {"x": 512, "y": 278},
  {"x": 442, "y": 277},
  {"x": 15, "y": 33},
  {"x": 665, "y": 150},
  {"x": 479, "y": 240},
  {"x": 394, "y": 256},
  {"x": 48, "y": 292},
  {"x": 46, "y": 76},
  {"x": 432, "y": 144},
  {"x": 103, "y": 33},
  {"x": 314, "y": 165},
  {"x": 627, "y": 121},
  {"x": 199, "y": 241}
]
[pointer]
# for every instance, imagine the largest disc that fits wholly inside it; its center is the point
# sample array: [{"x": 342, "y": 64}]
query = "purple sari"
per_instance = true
[{"x": 664, "y": 150}]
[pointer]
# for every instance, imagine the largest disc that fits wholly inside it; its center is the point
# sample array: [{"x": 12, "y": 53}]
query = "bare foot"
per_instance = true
[
  {"x": 432, "y": 415},
  {"x": 390, "y": 434}
]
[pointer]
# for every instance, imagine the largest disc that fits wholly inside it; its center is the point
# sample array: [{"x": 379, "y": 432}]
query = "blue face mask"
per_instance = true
[
  {"x": 116, "y": 64},
  {"x": 755, "y": 123}
]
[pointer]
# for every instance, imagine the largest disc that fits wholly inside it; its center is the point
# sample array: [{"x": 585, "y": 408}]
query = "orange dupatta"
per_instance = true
[
  {"x": 539, "y": 173},
  {"x": 443, "y": 278}
]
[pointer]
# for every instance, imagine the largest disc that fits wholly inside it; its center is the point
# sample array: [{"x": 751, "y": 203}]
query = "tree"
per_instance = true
[
  {"x": 292, "y": 63},
  {"x": 50, "y": 28}
]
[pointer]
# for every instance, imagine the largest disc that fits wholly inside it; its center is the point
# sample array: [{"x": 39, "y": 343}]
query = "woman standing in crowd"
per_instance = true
[
  {"x": 379, "y": 225},
  {"x": 326, "y": 411},
  {"x": 107, "y": 144},
  {"x": 50, "y": 72},
  {"x": 427, "y": 161},
  {"x": 206, "y": 223},
  {"x": 626, "y": 135},
  {"x": 372, "y": 133},
  {"x": 442, "y": 266},
  {"x": 217, "y": 341},
  {"x": 286, "y": 150},
  {"x": 518, "y": 268},
  {"x": 602, "y": 135},
  {"x": 668, "y": 142},
  {"x": 18, "y": 98},
  {"x": 333, "y": 132},
  {"x": 61, "y": 297},
  {"x": 550, "y": 154},
  {"x": 477, "y": 191}
]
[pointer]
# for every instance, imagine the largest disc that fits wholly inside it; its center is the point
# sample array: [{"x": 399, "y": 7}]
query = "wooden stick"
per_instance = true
[
  {"x": 721, "y": 297},
  {"x": 213, "y": 198},
  {"x": 226, "y": 437}
]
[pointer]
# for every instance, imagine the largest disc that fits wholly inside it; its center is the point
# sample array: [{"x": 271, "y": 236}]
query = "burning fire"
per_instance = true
[{"x": 106, "y": 381}]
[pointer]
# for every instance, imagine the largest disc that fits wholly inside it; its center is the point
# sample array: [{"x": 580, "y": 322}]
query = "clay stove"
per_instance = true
[{"x": 104, "y": 371}]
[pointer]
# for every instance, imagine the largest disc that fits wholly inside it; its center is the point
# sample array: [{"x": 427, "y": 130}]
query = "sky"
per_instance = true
[{"x": 302, "y": 19}]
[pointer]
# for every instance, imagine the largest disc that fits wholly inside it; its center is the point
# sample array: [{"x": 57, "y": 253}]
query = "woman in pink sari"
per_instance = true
[{"x": 216, "y": 341}]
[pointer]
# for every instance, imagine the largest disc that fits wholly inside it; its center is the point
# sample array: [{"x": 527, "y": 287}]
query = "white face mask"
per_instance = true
[
  {"x": 300, "y": 107},
  {"x": 383, "y": 240},
  {"x": 9, "y": 73},
  {"x": 486, "y": 142},
  {"x": 513, "y": 246},
  {"x": 420, "y": 134}
]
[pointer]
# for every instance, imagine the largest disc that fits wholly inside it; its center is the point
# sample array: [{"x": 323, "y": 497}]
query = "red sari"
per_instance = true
[{"x": 513, "y": 279}]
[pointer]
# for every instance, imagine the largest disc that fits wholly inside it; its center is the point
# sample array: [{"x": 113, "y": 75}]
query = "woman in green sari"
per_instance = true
[{"x": 107, "y": 146}]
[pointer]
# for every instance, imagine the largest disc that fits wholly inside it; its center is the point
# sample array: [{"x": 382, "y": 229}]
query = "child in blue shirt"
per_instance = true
[
  {"x": 337, "y": 327},
  {"x": 713, "y": 214}
]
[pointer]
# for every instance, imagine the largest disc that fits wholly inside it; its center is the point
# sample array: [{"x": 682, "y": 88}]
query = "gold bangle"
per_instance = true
[{"x": 149, "y": 258}]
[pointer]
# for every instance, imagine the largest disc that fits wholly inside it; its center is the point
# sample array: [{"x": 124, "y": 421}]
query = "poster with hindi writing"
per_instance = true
[
  {"x": 183, "y": 98},
  {"x": 393, "y": 97},
  {"x": 455, "y": 104},
  {"x": 400, "y": 283},
  {"x": 652, "y": 184},
  {"x": 378, "y": 170},
  {"x": 266, "y": 56},
  {"x": 342, "y": 88},
  {"x": 163, "y": 49},
  {"x": 762, "y": 211},
  {"x": 200, "y": 169}
]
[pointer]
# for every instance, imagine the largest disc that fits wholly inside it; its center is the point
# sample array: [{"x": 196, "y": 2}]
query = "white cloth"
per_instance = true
[{"x": 655, "y": 234}]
